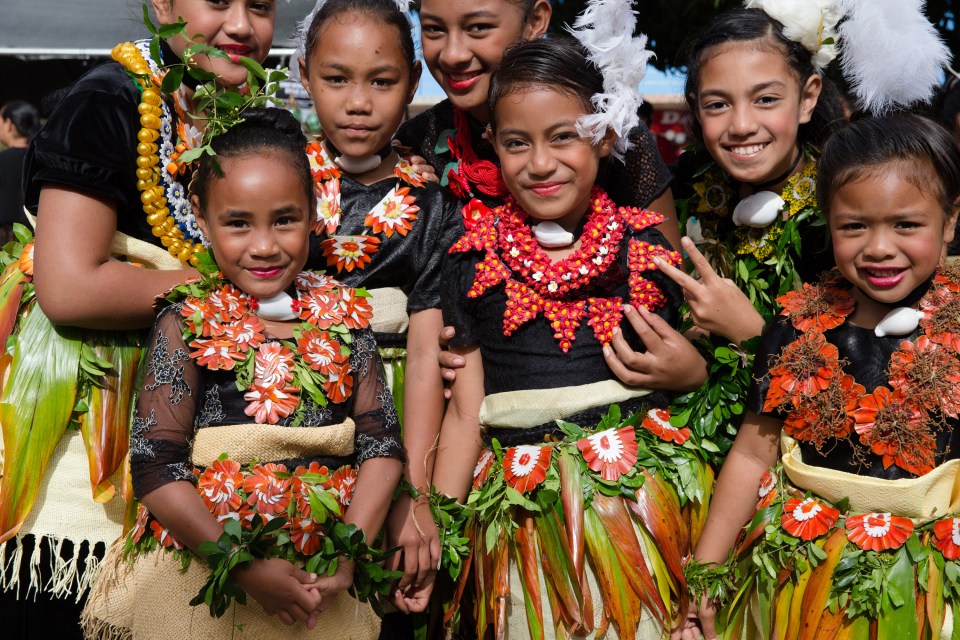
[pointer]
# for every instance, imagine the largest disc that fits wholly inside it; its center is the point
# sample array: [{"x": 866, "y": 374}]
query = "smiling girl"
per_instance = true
[
  {"x": 535, "y": 289},
  {"x": 383, "y": 228},
  {"x": 263, "y": 386},
  {"x": 856, "y": 393},
  {"x": 463, "y": 42},
  {"x": 106, "y": 145}
]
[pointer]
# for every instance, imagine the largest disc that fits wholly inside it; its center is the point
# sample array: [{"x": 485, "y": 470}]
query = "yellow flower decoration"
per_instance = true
[{"x": 801, "y": 190}]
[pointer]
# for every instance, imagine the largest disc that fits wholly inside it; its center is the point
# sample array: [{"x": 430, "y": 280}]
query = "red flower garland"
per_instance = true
[{"x": 534, "y": 284}]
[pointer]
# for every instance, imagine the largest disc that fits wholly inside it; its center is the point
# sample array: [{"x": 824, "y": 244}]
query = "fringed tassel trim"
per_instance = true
[{"x": 56, "y": 575}]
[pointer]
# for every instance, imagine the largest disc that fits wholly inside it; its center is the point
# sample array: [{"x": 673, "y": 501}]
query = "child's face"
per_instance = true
[
  {"x": 360, "y": 83},
  {"x": 258, "y": 221},
  {"x": 464, "y": 40},
  {"x": 546, "y": 165},
  {"x": 888, "y": 235},
  {"x": 750, "y": 107},
  {"x": 238, "y": 27}
]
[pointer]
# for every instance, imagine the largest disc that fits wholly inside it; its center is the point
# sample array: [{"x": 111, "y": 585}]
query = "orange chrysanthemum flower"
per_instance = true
[
  {"x": 405, "y": 171},
  {"x": 892, "y": 425},
  {"x": 525, "y": 467},
  {"x": 306, "y": 535},
  {"x": 246, "y": 333},
  {"x": 611, "y": 452},
  {"x": 804, "y": 368},
  {"x": 267, "y": 493},
  {"x": 216, "y": 353},
  {"x": 928, "y": 373},
  {"x": 322, "y": 307},
  {"x": 827, "y": 415},
  {"x": 807, "y": 519},
  {"x": 941, "y": 311},
  {"x": 320, "y": 350},
  {"x": 218, "y": 486},
  {"x": 328, "y": 208},
  {"x": 817, "y": 308},
  {"x": 658, "y": 421},
  {"x": 357, "y": 311},
  {"x": 321, "y": 166},
  {"x": 268, "y": 403},
  {"x": 394, "y": 213},
  {"x": 273, "y": 365},
  {"x": 347, "y": 253},
  {"x": 339, "y": 384},
  {"x": 946, "y": 537},
  {"x": 878, "y": 531},
  {"x": 343, "y": 482}
]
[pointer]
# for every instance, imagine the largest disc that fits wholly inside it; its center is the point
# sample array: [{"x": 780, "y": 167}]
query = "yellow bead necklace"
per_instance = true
[{"x": 162, "y": 223}]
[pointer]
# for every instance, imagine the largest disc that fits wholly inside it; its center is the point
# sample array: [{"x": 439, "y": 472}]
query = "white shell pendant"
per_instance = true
[
  {"x": 358, "y": 165},
  {"x": 694, "y": 230},
  {"x": 899, "y": 322},
  {"x": 758, "y": 210},
  {"x": 551, "y": 235},
  {"x": 277, "y": 307}
]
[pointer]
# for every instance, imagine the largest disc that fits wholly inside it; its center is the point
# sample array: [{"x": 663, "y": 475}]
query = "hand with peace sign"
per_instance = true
[{"x": 717, "y": 305}]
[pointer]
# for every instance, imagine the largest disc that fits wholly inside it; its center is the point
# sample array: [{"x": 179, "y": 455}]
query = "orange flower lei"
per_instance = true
[
  {"x": 898, "y": 422},
  {"x": 224, "y": 333},
  {"x": 535, "y": 284},
  {"x": 149, "y": 173},
  {"x": 395, "y": 213}
]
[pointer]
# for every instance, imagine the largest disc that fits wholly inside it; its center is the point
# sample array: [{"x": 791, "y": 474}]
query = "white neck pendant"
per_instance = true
[
  {"x": 278, "y": 307},
  {"x": 758, "y": 210},
  {"x": 900, "y": 322},
  {"x": 551, "y": 235},
  {"x": 358, "y": 165}
]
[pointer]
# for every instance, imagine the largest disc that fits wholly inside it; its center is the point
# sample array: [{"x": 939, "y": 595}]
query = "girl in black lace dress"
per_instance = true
[{"x": 265, "y": 381}]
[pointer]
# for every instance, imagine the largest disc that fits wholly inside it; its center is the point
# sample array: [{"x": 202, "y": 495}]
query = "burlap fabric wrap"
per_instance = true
[
  {"x": 149, "y": 598},
  {"x": 933, "y": 495},
  {"x": 65, "y": 509},
  {"x": 530, "y": 408},
  {"x": 389, "y": 310}
]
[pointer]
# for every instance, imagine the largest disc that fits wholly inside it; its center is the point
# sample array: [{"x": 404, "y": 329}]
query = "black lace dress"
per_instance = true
[{"x": 179, "y": 397}]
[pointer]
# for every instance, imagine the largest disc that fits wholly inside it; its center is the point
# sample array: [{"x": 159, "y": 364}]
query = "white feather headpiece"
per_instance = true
[
  {"x": 605, "y": 29},
  {"x": 810, "y": 23},
  {"x": 304, "y": 26},
  {"x": 892, "y": 55}
]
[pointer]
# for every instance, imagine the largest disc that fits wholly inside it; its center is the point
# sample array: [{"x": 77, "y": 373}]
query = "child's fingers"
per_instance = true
[
  {"x": 629, "y": 375},
  {"x": 707, "y": 274},
  {"x": 427, "y": 569},
  {"x": 651, "y": 339},
  {"x": 657, "y": 324},
  {"x": 688, "y": 284}
]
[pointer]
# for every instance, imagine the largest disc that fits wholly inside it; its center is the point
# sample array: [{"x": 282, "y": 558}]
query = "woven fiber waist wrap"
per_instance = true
[
  {"x": 248, "y": 442},
  {"x": 532, "y": 407},
  {"x": 81, "y": 485},
  {"x": 389, "y": 310},
  {"x": 149, "y": 597},
  {"x": 933, "y": 495}
]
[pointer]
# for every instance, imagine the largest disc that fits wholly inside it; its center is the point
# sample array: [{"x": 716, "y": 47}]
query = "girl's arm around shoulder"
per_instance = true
[
  {"x": 77, "y": 282},
  {"x": 460, "y": 442}
]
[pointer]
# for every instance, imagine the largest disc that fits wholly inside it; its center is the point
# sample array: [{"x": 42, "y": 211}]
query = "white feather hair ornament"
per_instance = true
[
  {"x": 304, "y": 26},
  {"x": 605, "y": 29},
  {"x": 892, "y": 55}
]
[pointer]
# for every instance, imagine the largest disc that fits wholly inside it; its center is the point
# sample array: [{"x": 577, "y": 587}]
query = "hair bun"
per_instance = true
[{"x": 274, "y": 118}]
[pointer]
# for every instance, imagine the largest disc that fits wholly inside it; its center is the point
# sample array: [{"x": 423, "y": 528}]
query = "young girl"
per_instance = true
[
  {"x": 463, "y": 42},
  {"x": 382, "y": 228},
  {"x": 87, "y": 173},
  {"x": 531, "y": 316},
  {"x": 761, "y": 115},
  {"x": 856, "y": 388},
  {"x": 256, "y": 389}
]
